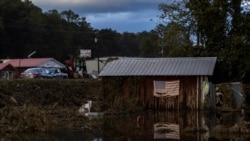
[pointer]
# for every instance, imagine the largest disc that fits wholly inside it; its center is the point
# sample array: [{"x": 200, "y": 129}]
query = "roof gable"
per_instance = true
[
  {"x": 5, "y": 65},
  {"x": 183, "y": 66}
]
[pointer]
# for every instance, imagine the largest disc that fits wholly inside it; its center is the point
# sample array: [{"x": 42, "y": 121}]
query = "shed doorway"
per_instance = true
[{"x": 166, "y": 94}]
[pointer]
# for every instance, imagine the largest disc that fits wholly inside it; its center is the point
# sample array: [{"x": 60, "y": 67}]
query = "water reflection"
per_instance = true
[
  {"x": 164, "y": 130},
  {"x": 53, "y": 136},
  {"x": 181, "y": 126},
  {"x": 151, "y": 126}
]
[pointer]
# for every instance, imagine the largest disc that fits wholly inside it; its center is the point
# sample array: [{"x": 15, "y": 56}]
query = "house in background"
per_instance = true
[
  {"x": 93, "y": 65},
  {"x": 7, "y": 71},
  {"x": 161, "y": 83},
  {"x": 25, "y": 63}
]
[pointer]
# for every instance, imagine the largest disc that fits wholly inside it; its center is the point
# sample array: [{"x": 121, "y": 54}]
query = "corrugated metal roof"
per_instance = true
[{"x": 182, "y": 66}]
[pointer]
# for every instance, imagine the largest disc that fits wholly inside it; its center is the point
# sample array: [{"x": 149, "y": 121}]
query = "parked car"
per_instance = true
[
  {"x": 35, "y": 73},
  {"x": 57, "y": 73}
]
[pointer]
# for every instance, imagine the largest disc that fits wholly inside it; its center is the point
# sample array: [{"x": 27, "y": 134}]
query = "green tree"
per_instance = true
[
  {"x": 57, "y": 37},
  {"x": 19, "y": 21},
  {"x": 129, "y": 44},
  {"x": 220, "y": 30},
  {"x": 24, "y": 28},
  {"x": 175, "y": 35},
  {"x": 108, "y": 43},
  {"x": 149, "y": 46},
  {"x": 176, "y": 40}
]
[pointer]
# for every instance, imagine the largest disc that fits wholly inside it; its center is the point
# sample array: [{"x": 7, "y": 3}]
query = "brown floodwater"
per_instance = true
[{"x": 151, "y": 126}]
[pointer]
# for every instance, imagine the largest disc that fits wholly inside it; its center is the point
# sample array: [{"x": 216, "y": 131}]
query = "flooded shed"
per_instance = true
[{"x": 159, "y": 83}]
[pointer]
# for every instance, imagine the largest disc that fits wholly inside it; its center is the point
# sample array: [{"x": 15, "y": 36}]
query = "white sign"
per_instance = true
[{"x": 85, "y": 53}]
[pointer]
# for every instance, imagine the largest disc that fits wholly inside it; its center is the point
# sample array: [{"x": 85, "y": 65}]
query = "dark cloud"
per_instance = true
[
  {"x": 98, "y": 6},
  {"x": 120, "y": 15}
]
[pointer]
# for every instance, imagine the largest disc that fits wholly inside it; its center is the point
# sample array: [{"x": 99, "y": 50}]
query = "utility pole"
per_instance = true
[{"x": 98, "y": 67}]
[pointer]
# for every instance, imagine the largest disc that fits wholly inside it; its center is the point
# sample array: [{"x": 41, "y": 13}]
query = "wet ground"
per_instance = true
[{"x": 48, "y": 110}]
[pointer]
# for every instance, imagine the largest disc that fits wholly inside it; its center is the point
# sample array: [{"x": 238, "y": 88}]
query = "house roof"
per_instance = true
[
  {"x": 4, "y": 65},
  {"x": 181, "y": 66},
  {"x": 33, "y": 62}
]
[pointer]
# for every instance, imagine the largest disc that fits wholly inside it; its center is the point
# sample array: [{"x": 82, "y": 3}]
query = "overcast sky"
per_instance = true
[{"x": 120, "y": 15}]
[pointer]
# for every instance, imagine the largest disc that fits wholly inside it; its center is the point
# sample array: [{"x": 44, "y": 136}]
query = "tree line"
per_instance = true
[
  {"x": 210, "y": 28},
  {"x": 186, "y": 28},
  {"x": 24, "y": 28}
]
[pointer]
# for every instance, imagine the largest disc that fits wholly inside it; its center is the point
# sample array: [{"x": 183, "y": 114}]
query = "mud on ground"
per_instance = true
[{"x": 46, "y": 105}]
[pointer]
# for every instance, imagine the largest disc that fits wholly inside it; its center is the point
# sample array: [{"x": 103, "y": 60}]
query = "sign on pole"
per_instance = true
[{"x": 85, "y": 53}]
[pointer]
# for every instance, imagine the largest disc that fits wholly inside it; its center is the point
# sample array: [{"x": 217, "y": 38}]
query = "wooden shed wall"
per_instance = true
[
  {"x": 190, "y": 92},
  {"x": 187, "y": 98}
]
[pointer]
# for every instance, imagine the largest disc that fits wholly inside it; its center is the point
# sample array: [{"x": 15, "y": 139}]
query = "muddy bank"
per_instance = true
[
  {"x": 66, "y": 93},
  {"x": 47, "y": 105}
]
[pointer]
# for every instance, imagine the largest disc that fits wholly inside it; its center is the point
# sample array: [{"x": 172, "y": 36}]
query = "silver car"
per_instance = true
[
  {"x": 57, "y": 73},
  {"x": 35, "y": 73}
]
